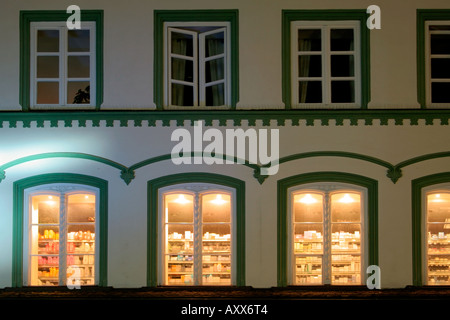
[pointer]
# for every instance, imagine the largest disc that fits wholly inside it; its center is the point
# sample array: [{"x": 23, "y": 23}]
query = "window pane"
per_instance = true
[
  {"x": 214, "y": 70},
  {"x": 308, "y": 207},
  {"x": 78, "y": 92},
  {"x": 346, "y": 269},
  {"x": 47, "y": 93},
  {"x": 47, "y": 67},
  {"x": 310, "y": 92},
  {"x": 182, "y": 70},
  {"x": 78, "y": 66},
  {"x": 438, "y": 205},
  {"x": 440, "y": 68},
  {"x": 180, "y": 239},
  {"x": 182, "y": 95},
  {"x": 182, "y": 44},
  {"x": 341, "y": 39},
  {"x": 81, "y": 208},
  {"x": 47, "y": 41},
  {"x": 78, "y": 40},
  {"x": 215, "y": 95},
  {"x": 309, "y": 66},
  {"x": 440, "y": 92},
  {"x": 179, "y": 208},
  {"x": 216, "y": 208},
  {"x": 346, "y": 207},
  {"x": 342, "y": 91},
  {"x": 346, "y": 238},
  {"x": 440, "y": 43},
  {"x": 342, "y": 66},
  {"x": 214, "y": 44},
  {"x": 308, "y": 238},
  {"x": 308, "y": 270},
  {"x": 309, "y": 40},
  {"x": 45, "y": 209},
  {"x": 216, "y": 237}
]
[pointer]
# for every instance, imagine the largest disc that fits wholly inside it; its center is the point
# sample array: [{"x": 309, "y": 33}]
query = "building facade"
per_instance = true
[{"x": 246, "y": 143}]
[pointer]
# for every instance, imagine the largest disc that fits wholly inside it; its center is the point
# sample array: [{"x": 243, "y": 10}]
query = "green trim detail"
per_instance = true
[
  {"x": 127, "y": 174},
  {"x": 424, "y": 15},
  {"x": 416, "y": 192},
  {"x": 292, "y": 117},
  {"x": 289, "y": 16},
  {"x": 19, "y": 188},
  {"x": 161, "y": 16},
  {"x": 282, "y": 198},
  {"x": 153, "y": 187},
  {"x": 26, "y": 17}
]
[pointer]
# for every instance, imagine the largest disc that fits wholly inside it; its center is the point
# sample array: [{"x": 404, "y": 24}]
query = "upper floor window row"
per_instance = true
[{"x": 325, "y": 59}]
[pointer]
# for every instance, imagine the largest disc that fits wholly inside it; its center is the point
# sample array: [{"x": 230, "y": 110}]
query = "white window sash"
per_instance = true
[
  {"x": 325, "y": 53},
  {"x": 63, "y": 55}
]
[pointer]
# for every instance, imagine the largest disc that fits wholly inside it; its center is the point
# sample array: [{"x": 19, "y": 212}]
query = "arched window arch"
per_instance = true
[
  {"x": 196, "y": 230},
  {"x": 60, "y": 231},
  {"x": 327, "y": 228}
]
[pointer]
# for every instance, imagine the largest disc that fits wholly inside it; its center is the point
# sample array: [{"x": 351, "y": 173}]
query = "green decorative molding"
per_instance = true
[
  {"x": 19, "y": 188},
  {"x": 127, "y": 174},
  {"x": 282, "y": 226},
  {"x": 310, "y": 117},
  {"x": 153, "y": 187}
]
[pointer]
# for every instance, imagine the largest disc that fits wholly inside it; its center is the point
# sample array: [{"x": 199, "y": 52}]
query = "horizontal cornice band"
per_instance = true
[{"x": 307, "y": 117}]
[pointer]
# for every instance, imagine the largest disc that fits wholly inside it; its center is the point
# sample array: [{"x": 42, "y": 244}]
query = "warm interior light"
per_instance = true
[
  {"x": 346, "y": 199},
  {"x": 218, "y": 200},
  {"x": 307, "y": 199},
  {"x": 437, "y": 198},
  {"x": 181, "y": 199}
]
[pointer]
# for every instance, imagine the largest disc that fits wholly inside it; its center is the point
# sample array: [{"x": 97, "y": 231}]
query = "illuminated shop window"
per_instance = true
[
  {"x": 327, "y": 235},
  {"x": 437, "y": 237},
  {"x": 61, "y": 239},
  {"x": 197, "y": 241}
]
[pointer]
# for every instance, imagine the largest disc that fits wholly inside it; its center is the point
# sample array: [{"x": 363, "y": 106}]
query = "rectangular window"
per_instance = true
[
  {"x": 437, "y": 67},
  {"x": 197, "y": 65},
  {"x": 62, "y": 65},
  {"x": 325, "y": 64},
  {"x": 327, "y": 236},
  {"x": 61, "y": 236},
  {"x": 197, "y": 238}
]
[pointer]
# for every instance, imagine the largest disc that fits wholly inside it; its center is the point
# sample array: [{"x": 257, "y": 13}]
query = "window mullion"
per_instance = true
[
  {"x": 197, "y": 241},
  {"x": 326, "y": 99},
  {"x": 327, "y": 240},
  {"x": 62, "y": 238}
]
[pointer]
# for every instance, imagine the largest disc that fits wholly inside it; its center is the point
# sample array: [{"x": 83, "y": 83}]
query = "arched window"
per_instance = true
[
  {"x": 327, "y": 234},
  {"x": 198, "y": 238},
  {"x": 60, "y": 244}
]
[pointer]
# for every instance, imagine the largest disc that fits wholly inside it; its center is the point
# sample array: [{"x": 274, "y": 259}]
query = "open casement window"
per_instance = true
[
  {"x": 437, "y": 236},
  {"x": 325, "y": 64},
  {"x": 62, "y": 65},
  {"x": 61, "y": 236},
  {"x": 197, "y": 64},
  {"x": 437, "y": 66},
  {"x": 198, "y": 238},
  {"x": 327, "y": 235}
]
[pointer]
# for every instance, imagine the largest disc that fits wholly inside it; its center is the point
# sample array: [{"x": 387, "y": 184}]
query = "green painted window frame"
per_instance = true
[
  {"x": 424, "y": 15},
  {"x": 26, "y": 17},
  {"x": 417, "y": 186},
  {"x": 162, "y": 16},
  {"x": 153, "y": 187},
  {"x": 289, "y": 16},
  {"x": 19, "y": 188},
  {"x": 282, "y": 220}
]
